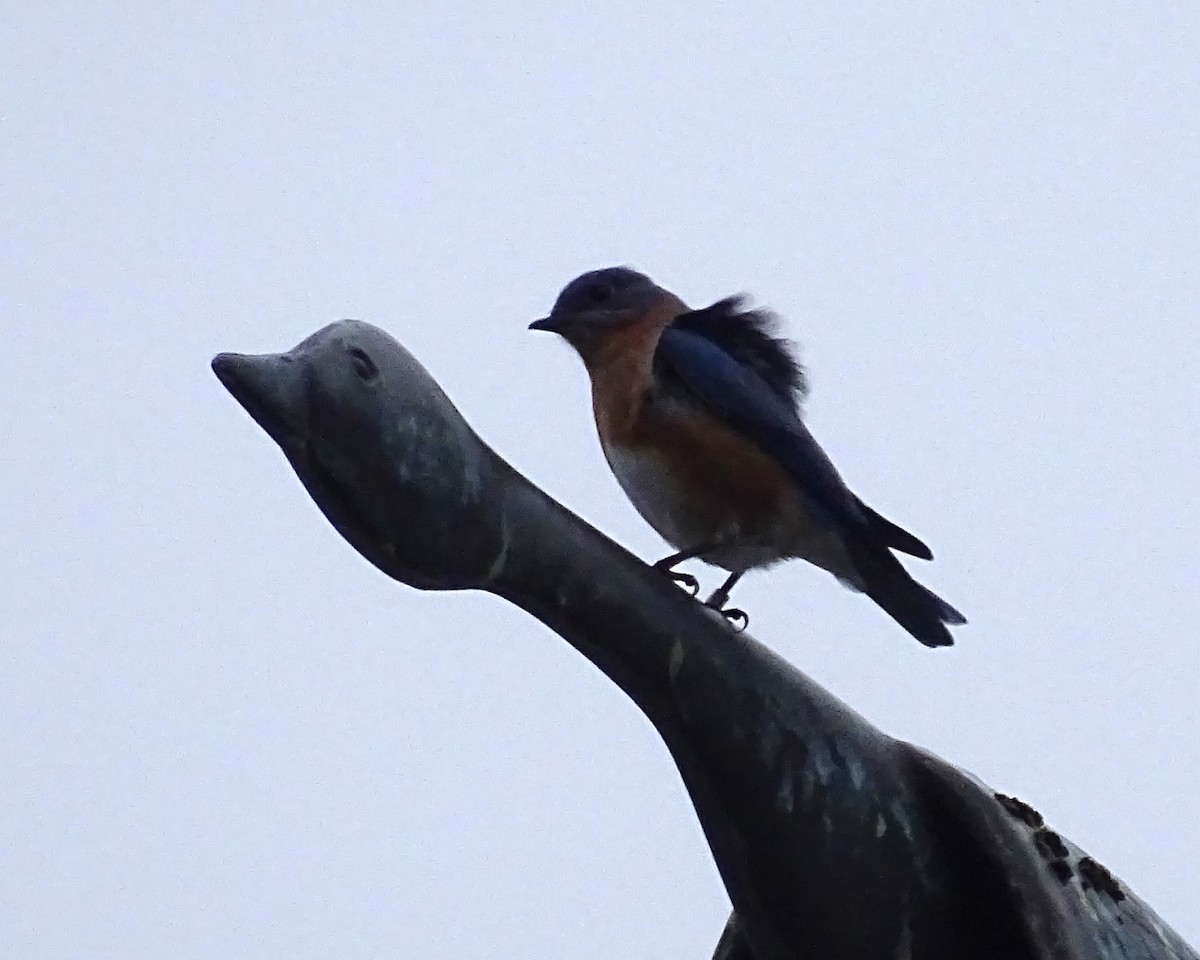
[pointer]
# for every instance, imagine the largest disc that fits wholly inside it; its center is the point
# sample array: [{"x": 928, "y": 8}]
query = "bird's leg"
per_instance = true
[
  {"x": 720, "y": 597},
  {"x": 685, "y": 580}
]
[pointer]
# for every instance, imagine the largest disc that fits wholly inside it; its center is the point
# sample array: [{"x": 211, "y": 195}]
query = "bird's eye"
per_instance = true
[
  {"x": 364, "y": 366},
  {"x": 599, "y": 293}
]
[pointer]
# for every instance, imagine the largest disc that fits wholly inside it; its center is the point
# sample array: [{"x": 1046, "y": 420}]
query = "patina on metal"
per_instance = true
[{"x": 834, "y": 840}]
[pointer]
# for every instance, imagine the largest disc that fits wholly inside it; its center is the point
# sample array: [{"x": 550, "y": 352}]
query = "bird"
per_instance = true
[{"x": 699, "y": 417}]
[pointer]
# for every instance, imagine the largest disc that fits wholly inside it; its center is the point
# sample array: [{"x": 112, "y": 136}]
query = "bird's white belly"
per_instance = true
[{"x": 652, "y": 489}]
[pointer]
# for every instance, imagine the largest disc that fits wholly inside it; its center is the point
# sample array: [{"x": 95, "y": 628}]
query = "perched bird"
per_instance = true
[{"x": 698, "y": 412}]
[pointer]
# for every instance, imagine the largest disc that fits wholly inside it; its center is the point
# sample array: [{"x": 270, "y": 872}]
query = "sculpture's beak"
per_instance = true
[{"x": 269, "y": 386}]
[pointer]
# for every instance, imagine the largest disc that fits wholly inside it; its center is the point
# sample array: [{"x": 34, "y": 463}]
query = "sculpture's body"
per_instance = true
[{"x": 834, "y": 841}]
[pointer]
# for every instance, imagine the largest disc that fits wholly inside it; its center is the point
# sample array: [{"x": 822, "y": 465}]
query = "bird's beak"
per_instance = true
[{"x": 545, "y": 323}]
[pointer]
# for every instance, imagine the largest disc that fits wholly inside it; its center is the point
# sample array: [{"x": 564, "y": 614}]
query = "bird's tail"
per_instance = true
[
  {"x": 947, "y": 613},
  {"x": 917, "y": 609}
]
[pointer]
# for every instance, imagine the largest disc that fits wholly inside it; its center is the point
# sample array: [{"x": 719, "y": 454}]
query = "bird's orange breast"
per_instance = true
[
  {"x": 693, "y": 477},
  {"x": 724, "y": 482},
  {"x": 621, "y": 368}
]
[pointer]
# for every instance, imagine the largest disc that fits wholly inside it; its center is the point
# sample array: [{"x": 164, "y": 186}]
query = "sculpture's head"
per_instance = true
[{"x": 359, "y": 419}]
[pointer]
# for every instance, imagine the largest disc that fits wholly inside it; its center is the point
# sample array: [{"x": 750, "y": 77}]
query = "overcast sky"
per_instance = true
[{"x": 226, "y": 735}]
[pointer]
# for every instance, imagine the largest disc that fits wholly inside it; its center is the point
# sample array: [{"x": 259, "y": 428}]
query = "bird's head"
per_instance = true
[{"x": 599, "y": 301}]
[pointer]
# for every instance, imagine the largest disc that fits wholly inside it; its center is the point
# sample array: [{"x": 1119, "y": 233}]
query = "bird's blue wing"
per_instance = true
[{"x": 740, "y": 398}]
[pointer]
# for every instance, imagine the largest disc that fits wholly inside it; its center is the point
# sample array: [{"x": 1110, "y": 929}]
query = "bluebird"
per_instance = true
[{"x": 698, "y": 413}]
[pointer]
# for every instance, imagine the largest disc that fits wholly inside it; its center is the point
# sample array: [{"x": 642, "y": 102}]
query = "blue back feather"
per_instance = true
[
  {"x": 749, "y": 337},
  {"x": 736, "y": 391}
]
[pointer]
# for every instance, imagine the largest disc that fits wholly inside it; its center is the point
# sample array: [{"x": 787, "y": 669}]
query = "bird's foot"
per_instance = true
[
  {"x": 738, "y": 619},
  {"x": 685, "y": 580}
]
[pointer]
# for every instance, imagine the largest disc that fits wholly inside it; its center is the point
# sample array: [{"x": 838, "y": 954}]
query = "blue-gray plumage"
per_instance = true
[{"x": 698, "y": 413}]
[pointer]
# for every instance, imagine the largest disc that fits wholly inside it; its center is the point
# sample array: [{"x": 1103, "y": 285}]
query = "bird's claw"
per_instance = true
[
  {"x": 685, "y": 580},
  {"x": 738, "y": 619}
]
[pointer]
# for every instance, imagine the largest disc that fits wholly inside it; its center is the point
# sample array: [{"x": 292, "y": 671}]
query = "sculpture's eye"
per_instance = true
[{"x": 364, "y": 366}]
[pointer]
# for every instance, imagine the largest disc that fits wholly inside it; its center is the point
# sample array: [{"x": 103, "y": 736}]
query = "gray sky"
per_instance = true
[{"x": 225, "y": 735}]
